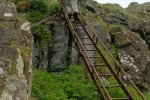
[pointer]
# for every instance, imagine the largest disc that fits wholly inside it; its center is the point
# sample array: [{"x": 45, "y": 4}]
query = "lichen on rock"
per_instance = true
[
  {"x": 15, "y": 70},
  {"x": 134, "y": 56}
]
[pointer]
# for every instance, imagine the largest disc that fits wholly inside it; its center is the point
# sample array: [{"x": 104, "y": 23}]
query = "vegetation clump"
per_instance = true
[{"x": 68, "y": 85}]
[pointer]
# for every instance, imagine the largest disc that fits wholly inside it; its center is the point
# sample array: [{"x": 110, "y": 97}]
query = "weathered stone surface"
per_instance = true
[
  {"x": 60, "y": 48},
  {"x": 116, "y": 18},
  {"x": 133, "y": 54},
  {"x": 133, "y": 51},
  {"x": 7, "y": 10},
  {"x": 133, "y": 4},
  {"x": 12, "y": 74},
  {"x": 53, "y": 57},
  {"x": 6, "y": 30},
  {"x": 16, "y": 43},
  {"x": 146, "y": 72},
  {"x": 93, "y": 6}
]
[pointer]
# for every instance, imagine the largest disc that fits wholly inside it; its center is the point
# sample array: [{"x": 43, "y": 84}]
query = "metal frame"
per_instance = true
[{"x": 90, "y": 66}]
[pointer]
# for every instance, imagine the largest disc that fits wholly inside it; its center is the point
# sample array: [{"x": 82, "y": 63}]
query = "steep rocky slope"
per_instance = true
[
  {"x": 16, "y": 42},
  {"x": 54, "y": 50},
  {"x": 129, "y": 31},
  {"x": 107, "y": 20},
  {"x": 133, "y": 51}
]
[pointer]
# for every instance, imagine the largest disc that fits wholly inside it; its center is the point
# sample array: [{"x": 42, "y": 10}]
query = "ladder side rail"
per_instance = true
[{"x": 138, "y": 91}]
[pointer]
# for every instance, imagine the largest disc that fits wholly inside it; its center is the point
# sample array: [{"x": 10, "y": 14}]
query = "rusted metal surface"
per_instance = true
[{"x": 98, "y": 77}]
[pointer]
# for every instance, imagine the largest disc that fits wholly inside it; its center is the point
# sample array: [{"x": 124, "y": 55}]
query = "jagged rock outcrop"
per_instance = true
[
  {"x": 139, "y": 19},
  {"x": 113, "y": 15},
  {"x": 93, "y": 6},
  {"x": 16, "y": 43},
  {"x": 58, "y": 60},
  {"x": 133, "y": 4},
  {"x": 133, "y": 54},
  {"x": 53, "y": 57}
]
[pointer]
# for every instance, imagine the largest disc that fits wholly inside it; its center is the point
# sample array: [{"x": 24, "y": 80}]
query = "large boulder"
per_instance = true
[
  {"x": 16, "y": 43},
  {"x": 133, "y": 54}
]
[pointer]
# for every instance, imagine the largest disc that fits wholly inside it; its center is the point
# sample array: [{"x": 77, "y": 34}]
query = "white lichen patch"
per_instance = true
[
  {"x": 129, "y": 76},
  {"x": 136, "y": 69},
  {"x": 20, "y": 64},
  {"x": 1, "y": 71},
  {"x": 128, "y": 61},
  {"x": 124, "y": 77},
  {"x": 8, "y": 14},
  {"x": 143, "y": 42},
  {"x": 26, "y": 26},
  {"x": 2, "y": 5},
  {"x": 11, "y": 5},
  {"x": 6, "y": 96},
  {"x": 148, "y": 59},
  {"x": 1, "y": 63},
  {"x": 11, "y": 87},
  {"x": 17, "y": 98}
]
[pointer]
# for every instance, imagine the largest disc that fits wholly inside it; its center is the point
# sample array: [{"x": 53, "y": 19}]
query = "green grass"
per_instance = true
[
  {"x": 68, "y": 85},
  {"x": 135, "y": 95},
  {"x": 72, "y": 85}
]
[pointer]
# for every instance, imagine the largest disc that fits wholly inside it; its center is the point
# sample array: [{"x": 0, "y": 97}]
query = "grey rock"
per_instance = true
[
  {"x": 133, "y": 4},
  {"x": 134, "y": 57},
  {"x": 1, "y": 71},
  {"x": 16, "y": 43},
  {"x": 60, "y": 48},
  {"x": 8, "y": 11},
  {"x": 146, "y": 72}
]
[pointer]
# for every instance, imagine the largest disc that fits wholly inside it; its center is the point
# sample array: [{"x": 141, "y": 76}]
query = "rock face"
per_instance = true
[
  {"x": 53, "y": 57},
  {"x": 15, "y": 54},
  {"x": 140, "y": 23},
  {"x": 59, "y": 50},
  {"x": 93, "y": 6},
  {"x": 105, "y": 38},
  {"x": 133, "y": 54}
]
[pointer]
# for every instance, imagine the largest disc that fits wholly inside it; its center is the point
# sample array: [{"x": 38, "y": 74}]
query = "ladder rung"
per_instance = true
[
  {"x": 87, "y": 44},
  {"x": 101, "y": 65},
  {"x": 121, "y": 99},
  {"x": 95, "y": 57},
  {"x": 90, "y": 50}
]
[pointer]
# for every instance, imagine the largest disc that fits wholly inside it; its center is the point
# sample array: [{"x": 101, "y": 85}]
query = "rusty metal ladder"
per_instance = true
[{"x": 99, "y": 68}]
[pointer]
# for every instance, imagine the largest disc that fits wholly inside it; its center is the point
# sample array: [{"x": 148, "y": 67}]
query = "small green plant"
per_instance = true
[
  {"x": 102, "y": 24},
  {"x": 135, "y": 94},
  {"x": 113, "y": 28},
  {"x": 46, "y": 87},
  {"x": 43, "y": 34},
  {"x": 34, "y": 16},
  {"x": 109, "y": 8},
  {"x": 39, "y": 5},
  {"x": 53, "y": 7},
  {"x": 12, "y": 70},
  {"x": 3, "y": 26}
]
